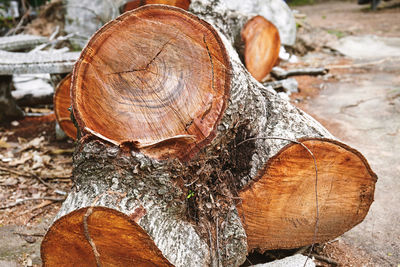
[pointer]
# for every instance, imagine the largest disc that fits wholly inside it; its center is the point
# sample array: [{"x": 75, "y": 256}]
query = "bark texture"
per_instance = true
[
  {"x": 37, "y": 62},
  {"x": 189, "y": 207},
  {"x": 21, "y": 42}
]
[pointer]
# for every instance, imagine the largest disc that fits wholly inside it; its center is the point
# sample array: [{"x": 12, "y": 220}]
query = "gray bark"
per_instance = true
[
  {"x": 21, "y": 42},
  {"x": 37, "y": 62},
  {"x": 253, "y": 111},
  {"x": 84, "y": 17}
]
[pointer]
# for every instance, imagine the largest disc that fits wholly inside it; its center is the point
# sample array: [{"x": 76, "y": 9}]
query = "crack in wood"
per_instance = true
[
  {"x": 211, "y": 62},
  {"x": 88, "y": 238},
  {"x": 148, "y": 64}
]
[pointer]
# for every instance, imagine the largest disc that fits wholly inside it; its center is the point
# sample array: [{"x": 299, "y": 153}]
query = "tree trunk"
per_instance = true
[
  {"x": 8, "y": 108},
  {"x": 177, "y": 136}
]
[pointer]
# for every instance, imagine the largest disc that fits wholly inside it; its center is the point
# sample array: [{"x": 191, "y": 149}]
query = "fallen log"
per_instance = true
[
  {"x": 177, "y": 135},
  {"x": 281, "y": 74},
  {"x": 262, "y": 44},
  {"x": 28, "y": 63},
  {"x": 21, "y": 42}
]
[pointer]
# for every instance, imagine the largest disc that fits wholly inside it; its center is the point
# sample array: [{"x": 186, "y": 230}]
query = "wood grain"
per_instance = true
[
  {"x": 262, "y": 44},
  {"x": 153, "y": 74},
  {"x": 119, "y": 241},
  {"x": 62, "y": 102},
  {"x": 279, "y": 209}
]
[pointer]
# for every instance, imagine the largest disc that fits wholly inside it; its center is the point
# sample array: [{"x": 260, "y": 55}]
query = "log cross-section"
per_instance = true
[{"x": 161, "y": 82}]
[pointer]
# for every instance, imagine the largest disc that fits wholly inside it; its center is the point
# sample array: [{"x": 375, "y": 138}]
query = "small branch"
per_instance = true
[
  {"x": 219, "y": 258},
  {"x": 281, "y": 74},
  {"x": 32, "y": 199},
  {"x": 28, "y": 175},
  {"x": 361, "y": 65},
  {"x": 24, "y": 234},
  {"x": 325, "y": 259}
]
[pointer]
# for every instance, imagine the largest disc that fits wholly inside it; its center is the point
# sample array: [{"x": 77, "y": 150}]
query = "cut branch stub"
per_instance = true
[
  {"x": 62, "y": 102},
  {"x": 156, "y": 78},
  {"x": 279, "y": 209},
  {"x": 262, "y": 44},
  {"x": 102, "y": 237},
  {"x": 184, "y": 4}
]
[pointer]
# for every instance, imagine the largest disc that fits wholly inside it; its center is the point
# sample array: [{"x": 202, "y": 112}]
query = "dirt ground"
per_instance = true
[
  {"x": 360, "y": 104},
  {"x": 358, "y": 101}
]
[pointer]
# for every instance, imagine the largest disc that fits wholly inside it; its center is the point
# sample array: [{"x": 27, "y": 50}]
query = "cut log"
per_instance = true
[
  {"x": 138, "y": 3},
  {"x": 279, "y": 208},
  {"x": 21, "y": 42},
  {"x": 182, "y": 175},
  {"x": 262, "y": 46},
  {"x": 151, "y": 86},
  {"x": 62, "y": 103},
  {"x": 275, "y": 11},
  {"x": 108, "y": 233}
]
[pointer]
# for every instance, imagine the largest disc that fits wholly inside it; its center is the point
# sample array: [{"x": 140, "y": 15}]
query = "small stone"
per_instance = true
[
  {"x": 30, "y": 239},
  {"x": 15, "y": 123}
]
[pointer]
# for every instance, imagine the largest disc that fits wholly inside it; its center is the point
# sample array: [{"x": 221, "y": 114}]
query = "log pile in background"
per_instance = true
[{"x": 179, "y": 139}]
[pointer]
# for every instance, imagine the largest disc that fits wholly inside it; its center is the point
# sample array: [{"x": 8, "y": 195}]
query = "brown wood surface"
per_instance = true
[
  {"x": 138, "y": 3},
  {"x": 279, "y": 209},
  {"x": 262, "y": 44},
  {"x": 154, "y": 74},
  {"x": 62, "y": 102},
  {"x": 119, "y": 241}
]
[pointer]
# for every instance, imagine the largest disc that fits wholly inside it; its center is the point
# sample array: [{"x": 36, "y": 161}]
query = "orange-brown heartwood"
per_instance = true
[
  {"x": 186, "y": 160},
  {"x": 62, "y": 102}
]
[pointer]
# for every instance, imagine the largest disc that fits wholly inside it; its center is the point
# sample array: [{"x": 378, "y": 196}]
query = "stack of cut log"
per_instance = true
[{"x": 185, "y": 159}]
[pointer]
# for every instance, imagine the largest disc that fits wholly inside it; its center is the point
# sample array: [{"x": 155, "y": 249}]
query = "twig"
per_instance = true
[
  {"x": 24, "y": 234},
  {"x": 218, "y": 256},
  {"x": 316, "y": 184},
  {"x": 280, "y": 73},
  {"x": 16, "y": 28},
  {"x": 360, "y": 65},
  {"x": 325, "y": 259},
  {"x": 28, "y": 175},
  {"x": 31, "y": 199}
]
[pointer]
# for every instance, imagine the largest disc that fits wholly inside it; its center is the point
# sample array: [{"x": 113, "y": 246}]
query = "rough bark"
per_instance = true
[
  {"x": 37, "y": 62},
  {"x": 21, "y": 42},
  {"x": 189, "y": 207}
]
